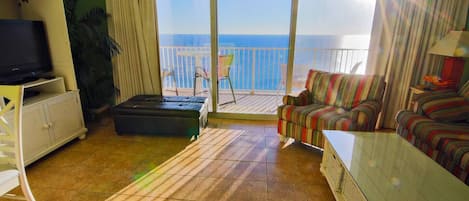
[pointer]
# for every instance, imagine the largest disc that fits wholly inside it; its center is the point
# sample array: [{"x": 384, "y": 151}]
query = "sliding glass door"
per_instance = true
[
  {"x": 333, "y": 36},
  {"x": 184, "y": 39},
  {"x": 257, "y": 64},
  {"x": 255, "y": 35}
]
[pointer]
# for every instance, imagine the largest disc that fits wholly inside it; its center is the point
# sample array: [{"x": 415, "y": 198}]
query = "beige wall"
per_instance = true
[
  {"x": 9, "y": 9},
  {"x": 51, "y": 12}
]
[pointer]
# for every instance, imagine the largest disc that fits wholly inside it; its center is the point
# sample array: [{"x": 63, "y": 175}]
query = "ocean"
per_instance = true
[
  {"x": 258, "y": 59},
  {"x": 268, "y": 41}
]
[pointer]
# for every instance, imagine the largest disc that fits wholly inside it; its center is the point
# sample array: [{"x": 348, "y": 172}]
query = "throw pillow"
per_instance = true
[{"x": 452, "y": 109}]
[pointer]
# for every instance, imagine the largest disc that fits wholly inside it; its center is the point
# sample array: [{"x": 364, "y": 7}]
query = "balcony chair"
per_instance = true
[
  {"x": 224, "y": 66},
  {"x": 354, "y": 68},
  {"x": 169, "y": 72},
  {"x": 12, "y": 173}
]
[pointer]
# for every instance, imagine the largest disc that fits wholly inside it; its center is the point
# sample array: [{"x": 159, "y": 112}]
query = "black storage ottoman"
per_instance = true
[{"x": 162, "y": 115}]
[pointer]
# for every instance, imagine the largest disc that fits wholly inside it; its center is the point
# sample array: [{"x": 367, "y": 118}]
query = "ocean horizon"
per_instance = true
[{"x": 266, "y": 41}]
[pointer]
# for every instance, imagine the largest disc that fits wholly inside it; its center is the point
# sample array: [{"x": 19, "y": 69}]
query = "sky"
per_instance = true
[{"x": 315, "y": 17}]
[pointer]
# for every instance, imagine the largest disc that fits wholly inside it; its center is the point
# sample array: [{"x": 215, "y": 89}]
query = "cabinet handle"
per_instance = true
[{"x": 45, "y": 126}]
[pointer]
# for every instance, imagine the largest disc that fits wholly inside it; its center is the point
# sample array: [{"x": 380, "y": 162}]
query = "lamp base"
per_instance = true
[{"x": 453, "y": 69}]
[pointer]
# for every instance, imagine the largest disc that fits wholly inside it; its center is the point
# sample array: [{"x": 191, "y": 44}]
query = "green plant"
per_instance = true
[{"x": 92, "y": 49}]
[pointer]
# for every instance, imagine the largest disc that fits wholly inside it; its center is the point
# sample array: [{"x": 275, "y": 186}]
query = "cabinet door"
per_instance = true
[
  {"x": 65, "y": 117},
  {"x": 36, "y": 137},
  {"x": 333, "y": 170},
  {"x": 350, "y": 191}
]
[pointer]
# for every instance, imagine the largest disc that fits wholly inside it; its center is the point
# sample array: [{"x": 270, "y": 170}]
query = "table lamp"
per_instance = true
[{"x": 455, "y": 46}]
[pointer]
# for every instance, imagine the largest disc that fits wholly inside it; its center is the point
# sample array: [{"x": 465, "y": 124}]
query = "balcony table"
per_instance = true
[{"x": 198, "y": 55}]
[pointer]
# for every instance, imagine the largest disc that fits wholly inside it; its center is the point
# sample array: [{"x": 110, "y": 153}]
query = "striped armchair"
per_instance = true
[
  {"x": 331, "y": 101},
  {"x": 439, "y": 127}
]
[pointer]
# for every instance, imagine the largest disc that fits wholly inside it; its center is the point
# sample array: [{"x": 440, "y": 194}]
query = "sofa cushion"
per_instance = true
[
  {"x": 317, "y": 116},
  {"x": 446, "y": 143},
  {"x": 453, "y": 154},
  {"x": 344, "y": 90},
  {"x": 429, "y": 132},
  {"x": 421, "y": 99},
  {"x": 451, "y": 109}
]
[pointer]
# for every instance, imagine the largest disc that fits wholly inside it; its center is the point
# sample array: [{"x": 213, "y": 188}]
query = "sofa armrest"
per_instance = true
[
  {"x": 364, "y": 116},
  {"x": 300, "y": 100},
  {"x": 421, "y": 99}
]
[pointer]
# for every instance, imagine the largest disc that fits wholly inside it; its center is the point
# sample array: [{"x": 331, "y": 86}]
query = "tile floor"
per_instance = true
[{"x": 232, "y": 160}]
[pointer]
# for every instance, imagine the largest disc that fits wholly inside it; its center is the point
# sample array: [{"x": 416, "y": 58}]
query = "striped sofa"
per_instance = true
[
  {"x": 439, "y": 127},
  {"x": 331, "y": 101}
]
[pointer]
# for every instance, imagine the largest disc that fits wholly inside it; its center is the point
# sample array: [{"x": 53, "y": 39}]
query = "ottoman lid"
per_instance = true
[
  {"x": 179, "y": 109},
  {"x": 157, "y": 98}
]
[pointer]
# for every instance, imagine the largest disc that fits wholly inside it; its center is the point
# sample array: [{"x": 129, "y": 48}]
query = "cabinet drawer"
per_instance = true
[{"x": 350, "y": 191}]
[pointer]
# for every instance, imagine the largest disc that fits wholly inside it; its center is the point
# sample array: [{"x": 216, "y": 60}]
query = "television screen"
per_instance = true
[{"x": 24, "y": 50}]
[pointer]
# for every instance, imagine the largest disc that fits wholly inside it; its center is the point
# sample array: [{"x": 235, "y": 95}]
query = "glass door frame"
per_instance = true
[
  {"x": 214, "y": 53},
  {"x": 214, "y": 59},
  {"x": 291, "y": 46}
]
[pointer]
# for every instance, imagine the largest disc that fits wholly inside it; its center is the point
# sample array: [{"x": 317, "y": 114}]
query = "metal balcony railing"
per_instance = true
[{"x": 257, "y": 70}]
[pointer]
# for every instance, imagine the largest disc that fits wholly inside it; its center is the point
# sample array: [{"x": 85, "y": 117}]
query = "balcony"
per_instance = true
[{"x": 258, "y": 74}]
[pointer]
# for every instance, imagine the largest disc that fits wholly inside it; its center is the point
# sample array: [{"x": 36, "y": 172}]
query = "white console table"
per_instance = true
[
  {"x": 384, "y": 167},
  {"x": 50, "y": 119}
]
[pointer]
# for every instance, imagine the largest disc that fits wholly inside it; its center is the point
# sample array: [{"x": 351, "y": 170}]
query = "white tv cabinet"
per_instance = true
[{"x": 50, "y": 119}]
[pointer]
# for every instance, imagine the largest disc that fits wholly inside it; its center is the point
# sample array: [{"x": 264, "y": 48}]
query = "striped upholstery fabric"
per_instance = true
[
  {"x": 305, "y": 135},
  {"x": 421, "y": 99},
  {"x": 447, "y": 144},
  {"x": 364, "y": 113},
  {"x": 300, "y": 100},
  {"x": 449, "y": 109},
  {"x": 464, "y": 90},
  {"x": 316, "y": 116},
  {"x": 331, "y": 101},
  {"x": 446, "y": 106},
  {"x": 344, "y": 90},
  {"x": 454, "y": 155}
]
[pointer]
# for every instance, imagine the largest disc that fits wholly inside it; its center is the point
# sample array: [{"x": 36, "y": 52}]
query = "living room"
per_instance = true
[{"x": 148, "y": 118}]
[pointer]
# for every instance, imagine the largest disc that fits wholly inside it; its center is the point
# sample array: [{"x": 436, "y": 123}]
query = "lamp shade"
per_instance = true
[{"x": 455, "y": 44}]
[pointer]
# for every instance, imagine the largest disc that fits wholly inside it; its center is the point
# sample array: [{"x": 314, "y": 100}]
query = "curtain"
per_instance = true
[
  {"x": 403, "y": 31},
  {"x": 132, "y": 24}
]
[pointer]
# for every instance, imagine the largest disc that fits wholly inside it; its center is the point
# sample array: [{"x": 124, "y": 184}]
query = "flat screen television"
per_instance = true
[{"x": 24, "y": 51}]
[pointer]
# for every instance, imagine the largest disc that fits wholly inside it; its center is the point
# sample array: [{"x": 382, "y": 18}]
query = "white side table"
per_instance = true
[{"x": 414, "y": 90}]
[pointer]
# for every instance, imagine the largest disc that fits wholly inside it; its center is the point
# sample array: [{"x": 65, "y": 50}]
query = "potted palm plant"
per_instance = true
[{"x": 92, "y": 49}]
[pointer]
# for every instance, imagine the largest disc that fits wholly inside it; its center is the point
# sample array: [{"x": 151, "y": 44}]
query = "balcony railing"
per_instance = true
[{"x": 257, "y": 70}]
